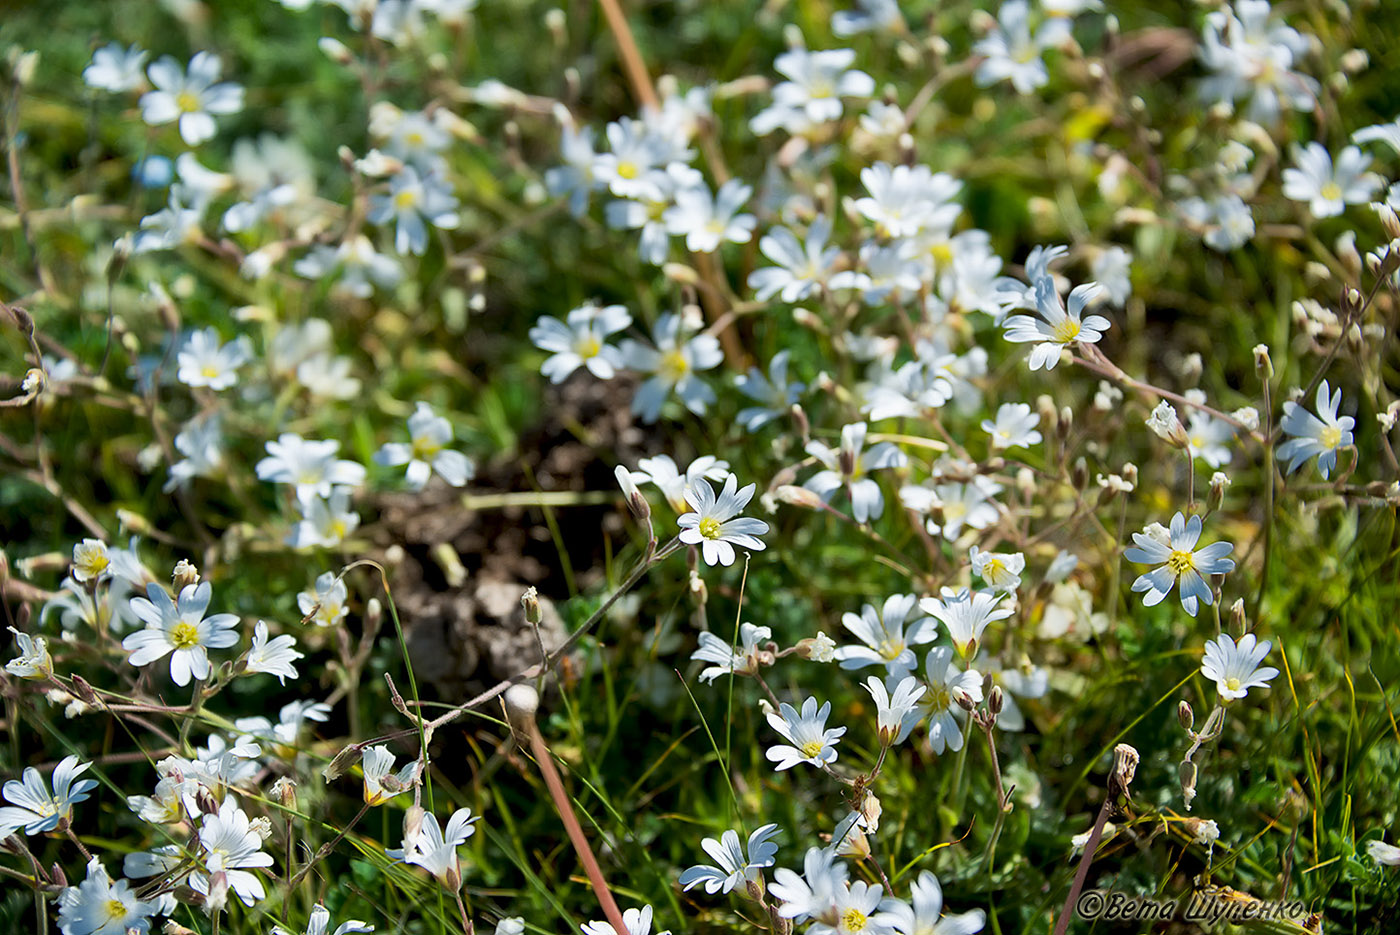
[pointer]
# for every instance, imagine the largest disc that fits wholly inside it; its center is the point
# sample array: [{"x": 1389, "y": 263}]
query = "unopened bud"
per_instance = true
[
  {"x": 1125, "y": 764},
  {"x": 637, "y": 503},
  {"x": 996, "y": 700},
  {"x": 171, "y": 927},
  {"x": 185, "y": 574},
  {"x": 1237, "y": 618},
  {"x": 1049, "y": 414},
  {"x": 1186, "y": 772},
  {"x": 1219, "y": 482},
  {"x": 819, "y": 648},
  {"x": 1079, "y": 474},
  {"x": 204, "y": 800},
  {"x": 284, "y": 791},
  {"x": 413, "y": 822},
  {"x": 1066, "y": 422},
  {"x": 521, "y": 702},
  {"x": 341, "y": 763},
  {"x": 798, "y": 496},
  {"x": 1185, "y": 715},
  {"x": 1166, "y": 425},
  {"x": 217, "y": 897},
  {"x": 335, "y": 50},
  {"x": 530, "y": 600},
  {"x": 82, "y": 689},
  {"x": 964, "y": 700},
  {"x": 1262, "y": 362},
  {"x": 1389, "y": 221}
]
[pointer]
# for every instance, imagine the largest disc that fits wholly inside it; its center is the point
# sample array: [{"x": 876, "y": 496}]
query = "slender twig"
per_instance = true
[{"x": 632, "y": 62}]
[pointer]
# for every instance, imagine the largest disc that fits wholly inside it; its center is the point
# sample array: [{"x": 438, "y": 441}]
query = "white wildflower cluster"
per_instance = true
[{"x": 917, "y": 339}]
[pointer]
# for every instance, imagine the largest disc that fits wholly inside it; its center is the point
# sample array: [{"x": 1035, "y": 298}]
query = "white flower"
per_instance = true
[
  {"x": 320, "y": 923},
  {"x": 360, "y": 266},
  {"x": 309, "y": 464},
  {"x": 204, "y": 361},
  {"x": 905, "y": 200},
  {"x": 1012, "y": 52},
  {"x": 715, "y": 524},
  {"x": 274, "y": 657},
  {"x": 1328, "y": 191},
  {"x": 1166, "y": 425},
  {"x": 708, "y": 222},
  {"x": 1251, "y": 55},
  {"x": 774, "y": 393},
  {"x": 325, "y": 521},
  {"x": 813, "y": 893},
  {"x": 1315, "y": 436},
  {"x": 116, "y": 69},
  {"x": 190, "y": 97},
  {"x": 887, "y": 640},
  {"x": 1179, "y": 560},
  {"x": 325, "y": 603},
  {"x": 849, "y": 465},
  {"x": 945, "y": 682},
  {"x": 1208, "y": 438},
  {"x": 179, "y": 629},
  {"x": 925, "y": 916},
  {"x": 98, "y": 907},
  {"x": 811, "y": 741},
  {"x": 627, "y": 170},
  {"x": 726, "y": 660},
  {"x": 733, "y": 866},
  {"x": 33, "y": 809},
  {"x": 232, "y": 844},
  {"x": 427, "y": 451},
  {"x": 33, "y": 661},
  {"x": 1388, "y": 133},
  {"x": 1111, "y": 269},
  {"x": 1234, "y": 667},
  {"x": 896, "y": 715},
  {"x": 575, "y": 178},
  {"x": 663, "y": 473},
  {"x": 673, "y": 364},
  {"x": 580, "y": 341},
  {"x": 381, "y": 783},
  {"x": 869, "y": 16},
  {"x": 800, "y": 268},
  {"x": 1057, "y": 327},
  {"x": 1001, "y": 570},
  {"x": 201, "y": 442},
  {"x": 812, "y": 95},
  {"x": 638, "y": 922},
  {"x": 91, "y": 561},
  {"x": 966, "y": 615},
  {"x": 1014, "y": 427},
  {"x": 173, "y": 802},
  {"x": 1383, "y": 853},
  {"x": 959, "y": 504},
  {"x": 414, "y": 201},
  {"x": 435, "y": 849}
]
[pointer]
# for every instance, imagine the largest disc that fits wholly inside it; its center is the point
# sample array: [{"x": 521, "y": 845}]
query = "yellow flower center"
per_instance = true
[
  {"x": 405, "y": 199},
  {"x": 184, "y": 635},
  {"x": 424, "y": 449},
  {"x": 1331, "y": 191},
  {"x": 890, "y": 649},
  {"x": 942, "y": 253},
  {"x": 338, "y": 529},
  {"x": 853, "y": 920},
  {"x": 811, "y": 748},
  {"x": 1180, "y": 562},
  {"x": 821, "y": 88},
  {"x": 587, "y": 346},
  {"x": 674, "y": 365},
  {"x": 1066, "y": 331},
  {"x": 413, "y": 138},
  {"x": 209, "y": 371},
  {"x": 187, "y": 101},
  {"x": 1232, "y": 683},
  {"x": 993, "y": 569},
  {"x": 116, "y": 909},
  {"x": 939, "y": 699},
  {"x": 709, "y": 527},
  {"x": 1330, "y": 437},
  {"x": 628, "y": 170}
]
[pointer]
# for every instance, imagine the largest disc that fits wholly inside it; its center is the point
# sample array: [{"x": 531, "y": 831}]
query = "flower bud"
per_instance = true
[
  {"x": 284, "y": 791},
  {"x": 530, "y": 600},
  {"x": 964, "y": 700},
  {"x": 341, "y": 763},
  {"x": 185, "y": 574},
  {"x": 798, "y": 496},
  {"x": 1238, "y": 622},
  {"x": 1262, "y": 362},
  {"x": 1186, "y": 773},
  {"x": 1125, "y": 764},
  {"x": 1219, "y": 482},
  {"x": 637, "y": 503},
  {"x": 413, "y": 822},
  {"x": 1166, "y": 425},
  {"x": 819, "y": 648},
  {"x": 996, "y": 700}
]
